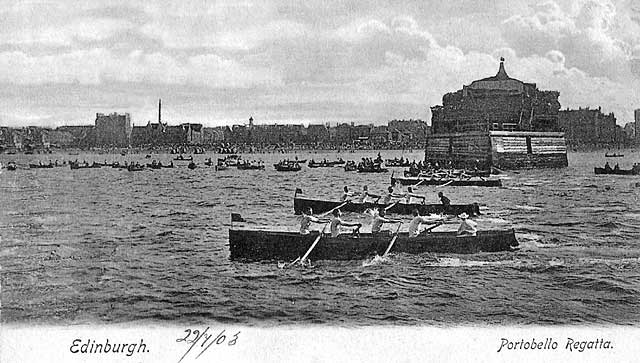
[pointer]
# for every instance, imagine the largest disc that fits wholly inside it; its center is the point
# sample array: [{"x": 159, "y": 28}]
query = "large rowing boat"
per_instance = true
[
  {"x": 477, "y": 182},
  {"x": 614, "y": 171},
  {"x": 320, "y": 206},
  {"x": 255, "y": 245}
]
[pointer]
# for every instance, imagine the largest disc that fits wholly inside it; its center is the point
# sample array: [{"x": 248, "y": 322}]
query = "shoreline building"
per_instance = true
[
  {"x": 497, "y": 121},
  {"x": 113, "y": 129}
]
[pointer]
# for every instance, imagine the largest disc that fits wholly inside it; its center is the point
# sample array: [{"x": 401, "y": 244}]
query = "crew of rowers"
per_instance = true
[
  {"x": 467, "y": 226},
  {"x": 406, "y": 198}
]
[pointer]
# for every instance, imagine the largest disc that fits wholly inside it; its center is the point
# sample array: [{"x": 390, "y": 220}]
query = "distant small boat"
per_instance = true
[
  {"x": 11, "y": 166},
  {"x": 614, "y": 155},
  {"x": 192, "y": 165},
  {"x": 182, "y": 158}
]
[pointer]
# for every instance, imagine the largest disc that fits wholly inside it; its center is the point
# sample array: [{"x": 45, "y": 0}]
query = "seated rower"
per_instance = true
[
  {"x": 346, "y": 194},
  {"x": 389, "y": 196},
  {"x": 336, "y": 222},
  {"x": 308, "y": 218},
  {"x": 410, "y": 194},
  {"x": 414, "y": 226},
  {"x": 379, "y": 220},
  {"x": 445, "y": 201},
  {"x": 467, "y": 226},
  {"x": 362, "y": 196},
  {"x": 607, "y": 166}
]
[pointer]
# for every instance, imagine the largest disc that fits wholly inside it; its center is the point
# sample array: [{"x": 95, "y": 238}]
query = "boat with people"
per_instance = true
[
  {"x": 448, "y": 173},
  {"x": 230, "y": 160},
  {"x": 250, "y": 165},
  {"x": 394, "y": 163},
  {"x": 325, "y": 163},
  {"x": 374, "y": 168},
  {"x": 287, "y": 165},
  {"x": 300, "y": 204},
  {"x": 613, "y": 155},
  {"x": 84, "y": 165},
  {"x": 135, "y": 167},
  {"x": 41, "y": 166},
  {"x": 454, "y": 182},
  {"x": 261, "y": 245},
  {"x": 350, "y": 166},
  {"x": 182, "y": 158},
  {"x": 192, "y": 165},
  {"x": 11, "y": 166},
  {"x": 607, "y": 170}
]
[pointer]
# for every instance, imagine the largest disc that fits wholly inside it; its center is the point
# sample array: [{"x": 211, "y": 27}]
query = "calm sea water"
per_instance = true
[{"x": 105, "y": 246}]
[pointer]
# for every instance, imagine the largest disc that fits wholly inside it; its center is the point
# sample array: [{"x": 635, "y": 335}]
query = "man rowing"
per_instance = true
[
  {"x": 336, "y": 222},
  {"x": 414, "y": 226},
  {"x": 346, "y": 194},
  {"x": 362, "y": 197},
  {"x": 410, "y": 194},
  {"x": 467, "y": 226},
  {"x": 308, "y": 218},
  {"x": 445, "y": 201},
  {"x": 379, "y": 219}
]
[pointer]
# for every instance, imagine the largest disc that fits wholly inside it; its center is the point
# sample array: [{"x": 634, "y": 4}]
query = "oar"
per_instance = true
[
  {"x": 432, "y": 227},
  {"x": 445, "y": 184},
  {"x": 420, "y": 182},
  {"x": 313, "y": 245},
  {"x": 393, "y": 240},
  {"x": 391, "y": 205},
  {"x": 338, "y": 207}
]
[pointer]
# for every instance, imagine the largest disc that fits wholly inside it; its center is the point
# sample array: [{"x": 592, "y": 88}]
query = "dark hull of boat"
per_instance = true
[
  {"x": 74, "y": 166},
  {"x": 252, "y": 167},
  {"x": 381, "y": 170},
  {"x": 603, "y": 171},
  {"x": 450, "y": 182},
  {"x": 280, "y": 167},
  {"x": 321, "y": 206},
  {"x": 36, "y": 166},
  {"x": 613, "y": 155},
  {"x": 251, "y": 245}
]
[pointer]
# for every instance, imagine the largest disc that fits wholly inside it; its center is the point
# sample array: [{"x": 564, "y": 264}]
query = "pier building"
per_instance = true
[{"x": 497, "y": 121}]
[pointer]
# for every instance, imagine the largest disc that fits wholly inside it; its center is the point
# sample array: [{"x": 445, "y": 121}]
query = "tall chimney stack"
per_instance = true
[{"x": 159, "y": 110}]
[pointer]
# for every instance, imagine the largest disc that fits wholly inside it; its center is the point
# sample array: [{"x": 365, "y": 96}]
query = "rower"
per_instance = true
[
  {"x": 607, "y": 166},
  {"x": 362, "y": 196},
  {"x": 379, "y": 220},
  {"x": 346, "y": 194},
  {"x": 414, "y": 226},
  {"x": 410, "y": 194},
  {"x": 467, "y": 226},
  {"x": 336, "y": 222},
  {"x": 445, "y": 201},
  {"x": 307, "y": 219}
]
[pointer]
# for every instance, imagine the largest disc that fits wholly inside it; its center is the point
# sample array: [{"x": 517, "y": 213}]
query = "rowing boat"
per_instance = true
[
  {"x": 480, "y": 182},
  {"x": 321, "y": 206},
  {"x": 601, "y": 171},
  {"x": 257, "y": 245}
]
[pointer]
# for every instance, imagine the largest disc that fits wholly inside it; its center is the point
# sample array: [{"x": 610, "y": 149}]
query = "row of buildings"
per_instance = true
[{"x": 117, "y": 130}]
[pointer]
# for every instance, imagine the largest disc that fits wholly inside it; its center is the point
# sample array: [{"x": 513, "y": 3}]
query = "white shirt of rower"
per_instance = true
[
  {"x": 335, "y": 226},
  {"x": 408, "y": 196},
  {"x": 305, "y": 223},
  {"x": 467, "y": 228},
  {"x": 345, "y": 196},
  {"x": 377, "y": 223},
  {"x": 362, "y": 197},
  {"x": 414, "y": 226}
]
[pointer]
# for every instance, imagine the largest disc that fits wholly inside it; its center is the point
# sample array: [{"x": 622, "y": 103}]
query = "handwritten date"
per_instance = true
[{"x": 201, "y": 340}]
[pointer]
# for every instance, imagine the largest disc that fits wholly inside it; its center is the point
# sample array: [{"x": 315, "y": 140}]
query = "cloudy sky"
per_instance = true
[{"x": 218, "y": 62}]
